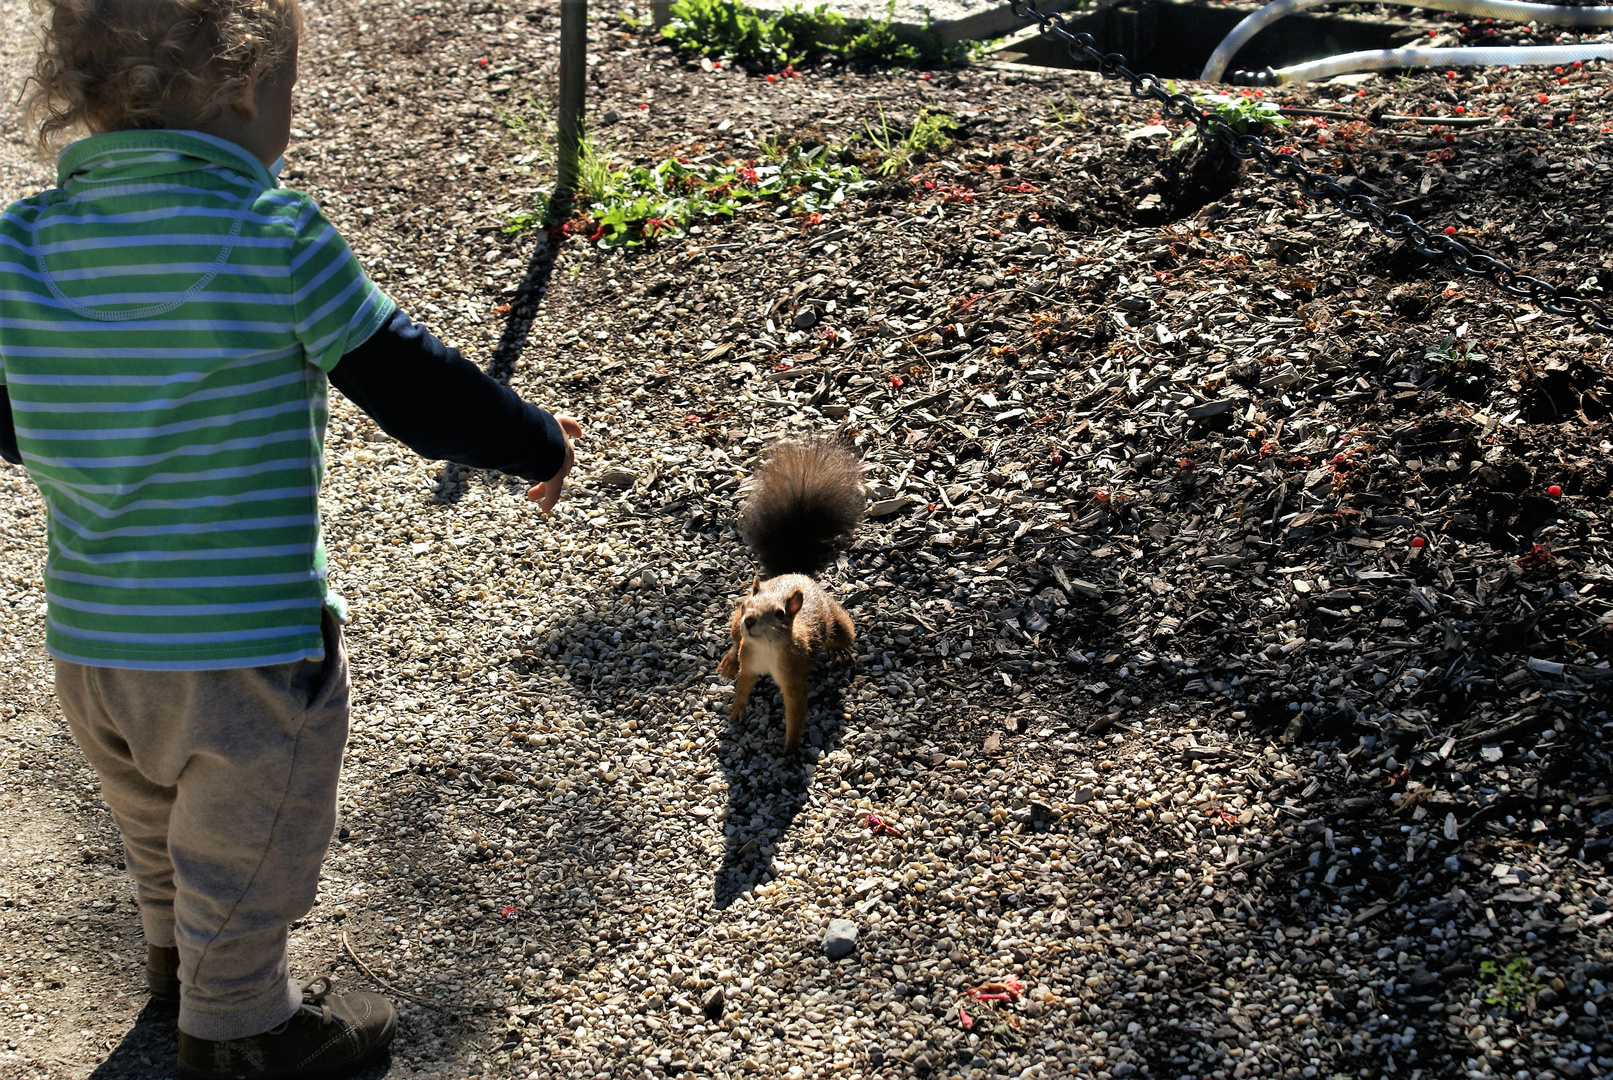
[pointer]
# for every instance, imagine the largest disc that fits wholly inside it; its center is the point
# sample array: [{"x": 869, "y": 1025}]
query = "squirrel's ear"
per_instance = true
[
  {"x": 755, "y": 585},
  {"x": 793, "y": 604}
]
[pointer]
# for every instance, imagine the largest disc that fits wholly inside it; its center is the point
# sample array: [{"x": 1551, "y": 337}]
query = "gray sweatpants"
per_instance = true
[{"x": 223, "y": 784}]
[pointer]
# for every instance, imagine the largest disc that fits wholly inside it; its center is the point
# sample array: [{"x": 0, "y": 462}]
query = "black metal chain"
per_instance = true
[{"x": 1589, "y": 313}]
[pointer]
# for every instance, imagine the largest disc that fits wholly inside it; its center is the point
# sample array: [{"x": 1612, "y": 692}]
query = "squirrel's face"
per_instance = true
[{"x": 765, "y": 618}]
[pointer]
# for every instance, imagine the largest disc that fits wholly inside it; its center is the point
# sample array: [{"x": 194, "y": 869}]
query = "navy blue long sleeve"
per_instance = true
[
  {"x": 440, "y": 405},
  {"x": 8, "y": 431}
]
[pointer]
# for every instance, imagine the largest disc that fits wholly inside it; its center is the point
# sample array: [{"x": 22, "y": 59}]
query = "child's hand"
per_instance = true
[{"x": 547, "y": 493}]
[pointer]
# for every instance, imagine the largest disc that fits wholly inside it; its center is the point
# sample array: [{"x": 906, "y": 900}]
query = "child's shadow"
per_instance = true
[
  {"x": 767, "y": 790},
  {"x": 150, "y": 1050}
]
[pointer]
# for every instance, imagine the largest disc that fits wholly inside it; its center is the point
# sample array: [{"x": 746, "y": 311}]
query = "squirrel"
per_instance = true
[{"x": 801, "y": 511}]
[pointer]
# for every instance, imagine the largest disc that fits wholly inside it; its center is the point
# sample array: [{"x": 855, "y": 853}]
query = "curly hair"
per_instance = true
[{"x": 117, "y": 65}]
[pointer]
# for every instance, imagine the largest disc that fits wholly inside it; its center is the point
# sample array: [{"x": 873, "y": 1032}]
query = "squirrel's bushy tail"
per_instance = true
[{"x": 803, "y": 506}]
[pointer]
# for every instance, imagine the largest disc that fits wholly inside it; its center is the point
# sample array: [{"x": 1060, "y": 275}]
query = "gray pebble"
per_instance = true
[{"x": 840, "y": 939}]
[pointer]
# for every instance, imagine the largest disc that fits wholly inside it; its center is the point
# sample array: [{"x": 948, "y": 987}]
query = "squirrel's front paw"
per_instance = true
[{"x": 728, "y": 666}]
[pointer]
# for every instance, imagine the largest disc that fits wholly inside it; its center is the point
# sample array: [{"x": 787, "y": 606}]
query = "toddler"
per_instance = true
[{"x": 171, "y": 318}]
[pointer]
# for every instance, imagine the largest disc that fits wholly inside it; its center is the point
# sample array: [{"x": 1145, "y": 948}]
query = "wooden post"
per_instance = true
[
  {"x": 660, "y": 13},
  {"x": 573, "y": 78}
]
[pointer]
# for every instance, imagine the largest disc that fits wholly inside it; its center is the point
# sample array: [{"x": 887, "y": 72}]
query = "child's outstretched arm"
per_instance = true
[{"x": 431, "y": 399}]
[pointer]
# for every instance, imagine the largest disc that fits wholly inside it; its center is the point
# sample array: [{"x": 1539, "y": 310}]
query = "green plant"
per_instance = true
[
  {"x": 595, "y": 176},
  {"x": 731, "y": 30},
  {"x": 1066, "y": 118},
  {"x": 594, "y": 171},
  {"x": 625, "y": 207},
  {"x": 530, "y": 219},
  {"x": 930, "y": 133},
  {"x": 1245, "y": 115},
  {"x": 876, "y": 41},
  {"x": 1512, "y": 985},
  {"x": 1454, "y": 362}
]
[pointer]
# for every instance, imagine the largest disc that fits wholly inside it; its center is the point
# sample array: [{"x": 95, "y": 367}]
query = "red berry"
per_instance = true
[
  {"x": 1418, "y": 542},
  {"x": 1461, "y": 110},
  {"x": 772, "y": 78},
  {"x": 716, "y": 65},
  {"x": 1554, "y": 491},
  {"x": 1450, "y": 230}
]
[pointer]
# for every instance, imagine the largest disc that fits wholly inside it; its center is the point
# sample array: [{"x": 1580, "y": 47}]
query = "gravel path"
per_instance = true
[{"x": 1062, "y": 854}]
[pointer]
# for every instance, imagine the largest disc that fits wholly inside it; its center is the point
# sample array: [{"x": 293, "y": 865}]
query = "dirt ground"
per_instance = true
[{"x": 1236, "y": 594}]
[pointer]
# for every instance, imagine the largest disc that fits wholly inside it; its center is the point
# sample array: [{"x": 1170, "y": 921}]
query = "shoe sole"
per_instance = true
[{"x": 333, "y": 1071}]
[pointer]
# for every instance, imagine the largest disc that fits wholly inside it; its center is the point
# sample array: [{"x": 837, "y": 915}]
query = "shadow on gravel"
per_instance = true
[
  {"x": 523, "y": 310},
  {"x": 766, "y": 790},
  {"x": 149, "y": 1049},
  {"x": 623, "y": 662}
]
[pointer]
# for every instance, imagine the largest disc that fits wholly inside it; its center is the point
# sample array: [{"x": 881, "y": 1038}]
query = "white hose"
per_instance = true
[
  {"x": 1395, "y": 59},
  {"x": 1510, "y": 10}
]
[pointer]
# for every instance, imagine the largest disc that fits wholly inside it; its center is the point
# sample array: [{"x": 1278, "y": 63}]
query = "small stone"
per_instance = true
[
  {"x": 887, "y": 507},
  {"x": 806, "y": 318},
  {"x": 840, "y": 939},
  {"x": 617, "y": 476},
  {"x": 713, "y": 1004},
  {"x": 1209, "y": 409}
]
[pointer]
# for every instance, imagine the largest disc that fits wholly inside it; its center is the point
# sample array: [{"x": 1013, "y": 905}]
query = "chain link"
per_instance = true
[{"x": 1589, "y": 313}]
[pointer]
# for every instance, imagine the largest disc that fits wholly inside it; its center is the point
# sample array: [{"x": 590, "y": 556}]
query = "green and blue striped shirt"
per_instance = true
[{"x": 168, "y": 314}]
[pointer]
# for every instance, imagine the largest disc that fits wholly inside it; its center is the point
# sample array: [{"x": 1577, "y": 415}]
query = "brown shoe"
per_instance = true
[
  {"x": 332, "y": 1035},
  {"x": 162, "y": 972}
]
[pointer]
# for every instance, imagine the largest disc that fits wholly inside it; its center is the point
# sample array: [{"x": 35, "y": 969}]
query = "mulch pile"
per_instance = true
[
  {"x": 1148, "y": 431},
  {"x": 1167, "y": 465}
]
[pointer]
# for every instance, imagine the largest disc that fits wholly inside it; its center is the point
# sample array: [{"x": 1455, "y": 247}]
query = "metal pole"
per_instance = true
[
  {"x": 660, "y": 13},
  {"x": 573, "y": 78}
]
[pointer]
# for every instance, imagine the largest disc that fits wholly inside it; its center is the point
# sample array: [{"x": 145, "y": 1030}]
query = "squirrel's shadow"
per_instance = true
[{"x": 766, "y": 788}]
